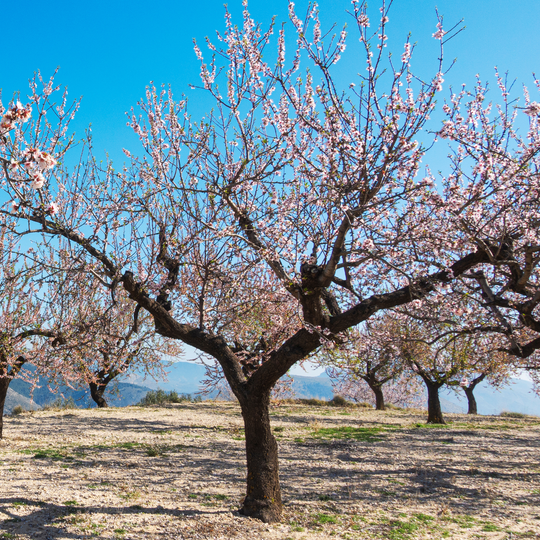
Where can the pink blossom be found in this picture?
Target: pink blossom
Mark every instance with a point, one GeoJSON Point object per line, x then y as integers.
{"type": "Point", "coordinates": [14, 206]}
{"type": "Point", "coordinates": [363, 20]}
{"type": "Point", "coordinates": [439, 34]}
{"type": "Point", "coordinates": [407, 54]}
{"type": "Point", "coordinates": [52, 209]}
{"type": "Point", "coordinates": [533, 109]}
{"type": "Point", "coordinates": [38, 180]}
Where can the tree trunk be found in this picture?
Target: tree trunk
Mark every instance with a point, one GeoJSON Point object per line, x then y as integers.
{"type": "Point", "coordinates": [469, 392]}
{"type": "Point", "coordinates": [97, 391]}
{"type": "Point", "coordinates": [4, 385]}
{"type": "Point", "coordinates": [379, 398]}
{"type": "Point", "coordinates": [263, 496]}
{"type": "Point", "coordinates": [435, 415]}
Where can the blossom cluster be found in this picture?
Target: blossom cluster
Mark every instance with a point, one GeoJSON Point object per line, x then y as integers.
{"type": "Point", "coordinates": [17, 113]}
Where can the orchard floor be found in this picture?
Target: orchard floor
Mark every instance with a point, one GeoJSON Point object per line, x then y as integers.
{"type": "Point", "coordinates": [178, 473]}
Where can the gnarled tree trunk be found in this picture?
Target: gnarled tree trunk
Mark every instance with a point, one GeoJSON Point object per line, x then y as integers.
{"type": "Point", "coordinates": [469, 392]}
{"type": "Point", "coordinates": [263, 495]}
{"type": "Point", "coordinates": [97, 391]}
{"type": "Point", "coordinates": [379, 397]}
{"type": "Point", "coordinates": [435, 415]}
{"type": "Point", "coordinates": [473, 408]}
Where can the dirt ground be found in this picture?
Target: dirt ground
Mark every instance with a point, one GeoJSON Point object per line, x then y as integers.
{"type": "Point", "coordinates": [351, 473]}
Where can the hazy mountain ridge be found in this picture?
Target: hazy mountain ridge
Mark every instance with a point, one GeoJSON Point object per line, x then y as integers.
{"type": "Point", "coordinates": [186, 378]}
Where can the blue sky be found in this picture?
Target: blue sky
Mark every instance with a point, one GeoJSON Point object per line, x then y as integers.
{"type": "Point", "coordinates": [109, 51]}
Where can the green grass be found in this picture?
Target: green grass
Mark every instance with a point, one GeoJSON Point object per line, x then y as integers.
{"type": "Point", "coordinates": [56, 454]}
{"type": "Point", "coordinates": [370, 434]}
{"type": "Point", "coordinates": [325, 518]}
{"type": "Point", "coordinates": [401, 529]}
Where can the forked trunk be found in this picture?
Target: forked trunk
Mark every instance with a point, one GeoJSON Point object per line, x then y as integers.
{"type": "Point", "coordinates": [4, 385]}
{"type": "Point", "coordinates": [263, 495]}
{"type": "Point", "coordinates": [97, 391]}
{"type": "Point", "coordinates": [435, 415]}
{"type": "Point", "coordinates": [469, 392]}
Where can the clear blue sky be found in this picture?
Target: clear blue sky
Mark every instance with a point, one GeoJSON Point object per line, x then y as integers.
{"type": "Point", "coordinates": [108, 51]}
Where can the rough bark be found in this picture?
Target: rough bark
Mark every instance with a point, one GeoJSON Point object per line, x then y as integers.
{"type": "Point", "coordinates": [97, 391]}
{"type": "Point", "coordinates": [435, 415]}
{"type": "Point", "coordinates": [4, 385]}
{"type": "Point", "coordinates": [263, 495]}
{"type": "Point", "coordinates": [473, 408]}
{"type": "Point", "coordinates": [379, 397]}
{"type": "Point", "coordinates": [469, 392]}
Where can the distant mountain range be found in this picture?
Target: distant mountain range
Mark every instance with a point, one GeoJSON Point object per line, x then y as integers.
{"type": "Point", "coordinates": [186, 377]}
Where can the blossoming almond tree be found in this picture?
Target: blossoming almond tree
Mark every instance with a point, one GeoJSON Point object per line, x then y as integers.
{"type": "Point", "coordinates": [371, 355]}
{"type": "Point", "coordinates": [103, 341]}
{"type": "Point", "coordinates": [27, 331]}
{"type": "Point", "coordinates": [444, 348]}
{"type": "Point", "coordinates": [291, 188]}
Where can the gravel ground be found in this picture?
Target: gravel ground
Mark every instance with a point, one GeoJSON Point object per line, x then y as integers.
{"type": "Point", "coordinates": [351, 473]}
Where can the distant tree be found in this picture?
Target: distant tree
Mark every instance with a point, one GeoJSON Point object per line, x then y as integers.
{"type": "Point", "coordinates": [107, 336]}
{"type": "Point", "coordinates": [444, 348]}
{"type": "Point", "coordinates": [371, 354]}
{"type": "Point", "coordinates": [468, 387]}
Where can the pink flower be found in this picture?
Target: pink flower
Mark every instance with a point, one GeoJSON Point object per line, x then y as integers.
{"type": "Point", "coordinates": [533, 109]}
{"type": "Point", "coordinates": [439, 34]}
{"type": "Point", "coordinates": [407, 54]}
{"type": "Point", "coordinates": [437, 82]}
{"type": "Point", "coordinates": [363, 20]}
{"type": "Point", "coordinates": [38, 180]}
{"type": "Point", "coordinates": [44, 160]}
{"type": "Point", "coordinates": [52, 209]}
{"type": "Point", "coordinates": [14, 206]}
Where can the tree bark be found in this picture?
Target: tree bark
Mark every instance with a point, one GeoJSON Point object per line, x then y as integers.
{"type": "Point", "coordinates": [473, 409]}
{"type": "Point", "coordinates": [4, 385]}
{"type": "Point", "coordinates": [469, 392]}
{"type": "Point", "coordinates": [379, 398]}
{"type": "Point", "coordinates": [263, 496]}
{"type": "Point", "coordinates": [435, 415]}
{"type": "Point", "coordinates": [97, 391]}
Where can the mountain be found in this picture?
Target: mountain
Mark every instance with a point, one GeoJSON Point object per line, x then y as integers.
{"type": "Point", "coordinates": [119, 394]}
{"type": "Point", "coordinates": [183, 377]}
{"type": "Point", "coordinates": [186, 378]}
{"type": "Point", "coordinates": [517, 396]}
{"type": "Point", "coordinates": [13, 399]}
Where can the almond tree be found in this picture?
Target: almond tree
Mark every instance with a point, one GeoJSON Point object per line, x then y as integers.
{"type": "Point", "coordinates": [445, 343]}
{"type": "Point", "coordinates": [104, 342]}
{"type": "Point", "coordinates": [297, 188]}
{"type": "Point", "coordinates": [27, 331]}
{"type": "Point", "coordinates": [371, 355]}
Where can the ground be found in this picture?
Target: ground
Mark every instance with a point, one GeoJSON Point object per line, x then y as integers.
{"type": "Point", "coordinates": [350, 473]}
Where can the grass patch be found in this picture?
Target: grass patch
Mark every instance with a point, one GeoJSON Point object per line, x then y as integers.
{"type": "Point", "coordinates": [160, 397]}
{"type": "Point", "coordinates": [325, 518]}
{"type": "Point", "coordinates": [399, 530]}
{"type": "Point", "coordinates": [508, 414]}
{"type": "Point", "coordinates": [371, 434]}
